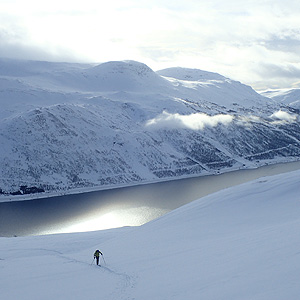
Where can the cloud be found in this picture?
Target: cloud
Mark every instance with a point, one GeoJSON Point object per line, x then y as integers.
{"type": "Point", "coordinates": [17, 42]}
{"type": "Point", "coordinates": [20, 50]}
{"type": "Point", "coordinates": [197, 121]}
{"type": "Point", "coordinates": [233, 38]}
{"type": "Point", "coordinates": [281, 71]}
{"type": "Point", "coordinates": [278, 74]}
{"type": "Point", "coordinates": [287, 43]}
{"type": "Point", "coordinates": [283, 116]}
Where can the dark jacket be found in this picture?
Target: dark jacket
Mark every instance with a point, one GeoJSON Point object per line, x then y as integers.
{"type": "Point", "coordinates": [97, 253]}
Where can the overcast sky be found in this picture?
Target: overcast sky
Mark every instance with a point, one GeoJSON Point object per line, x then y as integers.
{"type": "Point", "coordinates": [256, 42]}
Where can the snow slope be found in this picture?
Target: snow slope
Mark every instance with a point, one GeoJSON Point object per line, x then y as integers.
{"type": "Point", "coordinates": [213, 87]}
{"type": "Point", "coordinates": [65, 126]}
{"type": "Point", "coordinates": [290, 97]}
{"type": "Point", "coordinates": [239, 243]}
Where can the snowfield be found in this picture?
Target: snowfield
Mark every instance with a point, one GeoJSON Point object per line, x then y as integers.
{"type": "Point", "coordinates": [240, 243]}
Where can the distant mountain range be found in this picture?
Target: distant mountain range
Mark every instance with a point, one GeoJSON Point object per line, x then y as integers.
{"type": "Point", "coordinates": [66, 125]}
{"type": "Point", "coordinates": [290, 97]}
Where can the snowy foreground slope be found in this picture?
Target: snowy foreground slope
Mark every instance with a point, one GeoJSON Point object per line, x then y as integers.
{"type": "Point", "coordinates": [66, 126]}
{"type": "Point", "coordinates": [240, 243]}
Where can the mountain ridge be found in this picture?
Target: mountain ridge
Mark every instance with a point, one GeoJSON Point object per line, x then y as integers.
{"type": "Point", "coordinates": [122, 123]}
{"type": "Point", "coordinates": [290, 97]}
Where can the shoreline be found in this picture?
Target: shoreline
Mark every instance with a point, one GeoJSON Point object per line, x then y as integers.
{"type": "Point", "coordinates": [76, 191]}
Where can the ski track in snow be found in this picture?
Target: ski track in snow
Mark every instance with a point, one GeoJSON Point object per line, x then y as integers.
{"type": "Point", "coordinates": [124, 280]}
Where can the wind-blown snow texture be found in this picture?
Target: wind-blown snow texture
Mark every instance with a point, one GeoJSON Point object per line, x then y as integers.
{"type": "Point", "coordinates": [65, 126]}
{"type": "Point", "coordinates": [240, 243]}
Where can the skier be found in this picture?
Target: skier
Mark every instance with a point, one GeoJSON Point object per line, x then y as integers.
{"type": "Point", "coordinates": [97, 255]}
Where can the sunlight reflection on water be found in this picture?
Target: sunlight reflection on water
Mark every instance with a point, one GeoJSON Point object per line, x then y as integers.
{"type": "Point", "coordinates": [128, 206]}
{"type": "Point", "coordinates": [117, 218]}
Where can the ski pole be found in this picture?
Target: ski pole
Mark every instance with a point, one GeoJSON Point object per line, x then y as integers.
{"type": "Point", "coordinates": [103, 259]}
{"type": "Point", "coordinates": [93, 261]}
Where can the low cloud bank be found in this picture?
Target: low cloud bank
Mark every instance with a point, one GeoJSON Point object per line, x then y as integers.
{"type": "Point", "coordinates": [283, 116]}
{"type": "Point", "coordinates": [197, 121]}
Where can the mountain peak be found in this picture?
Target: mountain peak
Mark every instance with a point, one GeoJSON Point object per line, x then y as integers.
{"type": "Point", "coordinates": [128, 66]}
{"type": "Point", "coordinates": [125, 75]}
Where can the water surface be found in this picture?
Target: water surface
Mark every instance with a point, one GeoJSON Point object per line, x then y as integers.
{"type": "Point", "coordinates": [126, 206]}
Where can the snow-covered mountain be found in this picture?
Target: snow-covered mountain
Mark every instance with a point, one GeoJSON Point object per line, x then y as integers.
{"type": "Point", "coordinates": [240, 243]}
{"type": "Point", "coordinates": [66, 125]}
{"type": "Point", "coordinates": [290, 97]}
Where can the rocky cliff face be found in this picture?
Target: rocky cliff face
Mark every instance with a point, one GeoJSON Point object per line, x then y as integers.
{"type": "Point", "coordinates": [67, 125]}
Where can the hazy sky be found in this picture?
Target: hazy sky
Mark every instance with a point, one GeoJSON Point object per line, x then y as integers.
{"type": "Point", "coordinates": [256, 42]}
